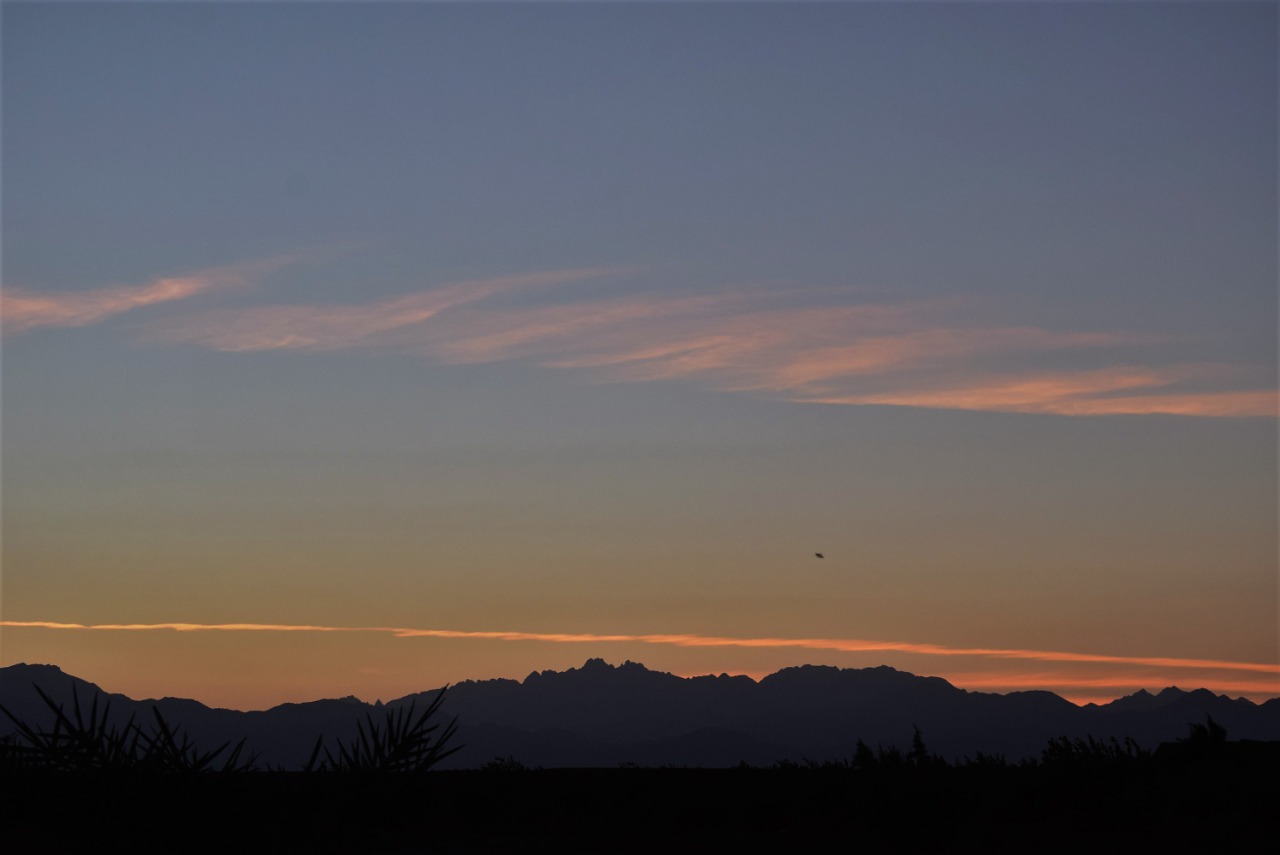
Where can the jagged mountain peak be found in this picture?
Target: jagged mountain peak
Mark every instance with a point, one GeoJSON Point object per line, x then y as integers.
{"type": "Point", "coordinates": [23, 668]}
{"type": "Point", "coordinates": [597, 665]}
{"type": "Point", "coordinates": [595, 668]}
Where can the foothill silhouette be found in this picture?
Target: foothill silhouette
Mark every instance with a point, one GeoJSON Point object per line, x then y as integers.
{"type": "Point", "coordinates": [69, 743]}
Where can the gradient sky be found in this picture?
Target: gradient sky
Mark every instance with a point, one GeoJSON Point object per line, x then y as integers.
{"type": "Point", "coordinates": [525, 325]}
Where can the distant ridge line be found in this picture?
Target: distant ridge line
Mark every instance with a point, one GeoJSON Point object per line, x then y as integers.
{"type": "Point", "coordinates": [604, 715]}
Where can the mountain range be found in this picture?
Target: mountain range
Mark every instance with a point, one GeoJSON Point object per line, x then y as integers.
{"type": "Point", "coordinates": [602, 715]}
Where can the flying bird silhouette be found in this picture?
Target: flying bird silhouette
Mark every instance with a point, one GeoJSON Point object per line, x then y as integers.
{"type": "Point", "coordinates": [819, 554]}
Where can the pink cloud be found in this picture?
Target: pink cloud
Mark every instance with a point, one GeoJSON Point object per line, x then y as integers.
{"type": "Point", "coordinates": [1078, 393]}
{"type": "Point", "coordinates": [937, 346]}
{"type": "Point", "coordinates": [334, 327]}
{"type": "Point", "coordinates": [852, 355]}
{"type": "Point", "coordinates": [723, 338]}
{"type": "Point", "coordinates": [908, 354]}
{"type": "Point", "coordinates": [23, 309]}
{"type": "Point", "coordinates": [1241, 404]}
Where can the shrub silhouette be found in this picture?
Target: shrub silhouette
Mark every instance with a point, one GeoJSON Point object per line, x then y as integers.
{"type": "Point", "coordinates": [1090, 754]}
{"type": "Point", "coordinates": [1204, 744]}
{"type": "Point", "coordinates": [504, 764]}
{"type": "Point", "coordinates": [1209, 733]}
{"type": "Point", "coordinates": [402, 743]}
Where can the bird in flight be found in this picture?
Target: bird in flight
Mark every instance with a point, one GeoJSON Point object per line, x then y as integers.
{"type": "Point", "coordinates": [819, 554]}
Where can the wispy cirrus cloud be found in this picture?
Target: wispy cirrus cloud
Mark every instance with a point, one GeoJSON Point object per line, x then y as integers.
{"type": "Point", "coordinates": [873, 354]}
{"type": "Point", "coordinates": [803, 346]}
{"type": "Point", "coordinates": [1075, 393]}
{"type": "Point", "coordinates": [339, 326]}
{"type": "Point", "coordinates": [1082, 401]}
{"type": "Point", "coordinates": [24, 309]}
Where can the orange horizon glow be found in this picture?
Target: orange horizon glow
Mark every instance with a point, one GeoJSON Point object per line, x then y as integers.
{"type": "Point", "coordinates": [691, 640]}
{"type": "Point", "coordinates": [1064, 686]}
{"type": "Point", "coordinates": [1022, 682]}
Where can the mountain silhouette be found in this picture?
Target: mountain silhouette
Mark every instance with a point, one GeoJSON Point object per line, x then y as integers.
{"type": "Point", "coordinates": [602, 715]}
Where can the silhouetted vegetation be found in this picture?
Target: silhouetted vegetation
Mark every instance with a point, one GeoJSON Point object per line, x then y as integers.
{"type": "Point", "coordinates": [1091, 754]}
{"type": "Point", "coordinates": [892, 757]}
{"type": "Point", "coordinates": [402, 743]}
{"type": "Point", "coordinates": [86, 740]}
{"type": "Point", "coordinates": [1106, 794]}
{"type": "Point", "coordinates": [504, 764]}
{"type": "Point", "coordinates": [406, 740]}
{"type": "Point", "coordinates": [1061, 753]}
{"type": "Point", "coordinates": [1209, 733]}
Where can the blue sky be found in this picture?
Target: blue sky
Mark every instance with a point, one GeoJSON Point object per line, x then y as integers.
{"type": "Point", "coordinates": [604, 318]}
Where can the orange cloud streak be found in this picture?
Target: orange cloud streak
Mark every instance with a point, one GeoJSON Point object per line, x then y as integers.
{"type": "Point", "coordinates": [1076, 393]}
{"type": "Point", "coordinates": [22, 309]}
{"type": "Point", "coordinates": [1242, 404]}
{"type": "Point", "coordinates": [846, 645]}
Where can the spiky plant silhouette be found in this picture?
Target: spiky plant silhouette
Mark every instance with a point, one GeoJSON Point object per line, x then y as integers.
{"type": "Point", "coordinates": [86, 740]}
{"type": "Point", "coordinates": [403, 742]}
{"type": "Point", "coordinates": [76, 742]}
{"type": "Point", "coordinates": [1090, 754]}
{"type": "Point", "coordinates": [1209, 733]}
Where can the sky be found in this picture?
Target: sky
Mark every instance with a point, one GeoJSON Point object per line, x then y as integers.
{"type": "Point", "coordinates": [356, 349]}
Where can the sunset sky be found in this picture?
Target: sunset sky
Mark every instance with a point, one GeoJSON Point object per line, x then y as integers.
{"type": "Point", "coordinates": [361, 348]}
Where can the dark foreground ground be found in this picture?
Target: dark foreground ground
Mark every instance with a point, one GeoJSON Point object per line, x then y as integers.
{"type": "Point", "coordinates": [1187, 809]}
